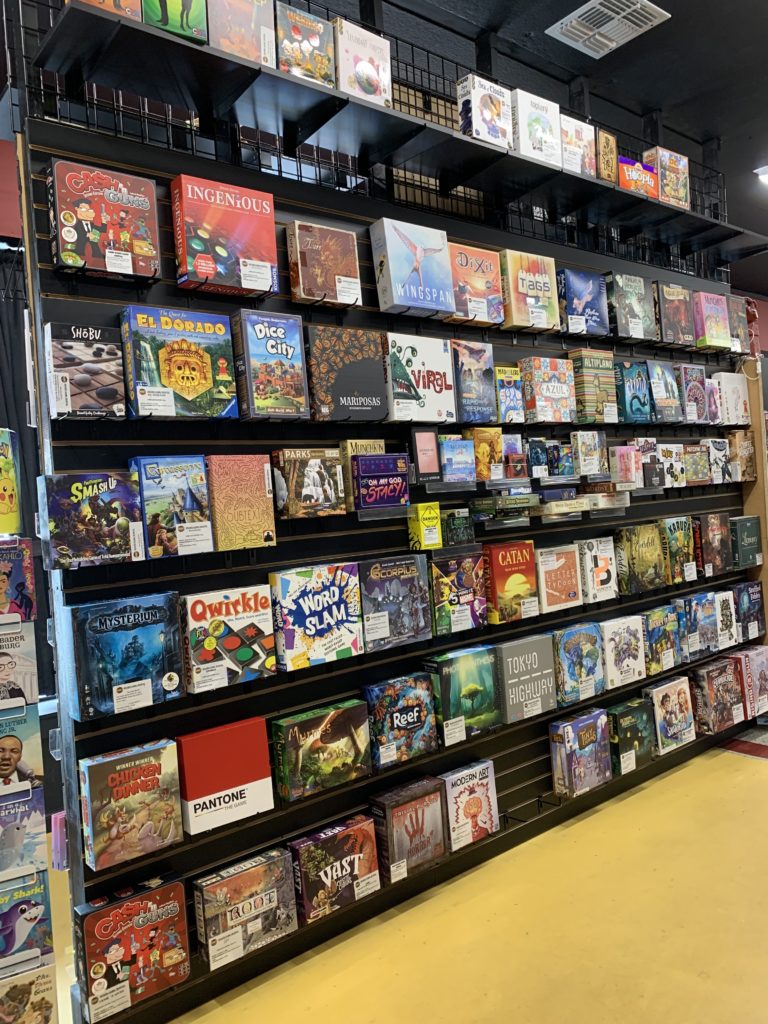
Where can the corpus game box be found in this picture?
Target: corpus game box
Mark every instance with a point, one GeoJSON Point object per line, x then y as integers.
{"type": "Point", "coordinates": [309, 482]}
{"type": "Point", "coordinates": [243, 907]}
{"type": "Point", "coordinates": [130, 946]}
{"type": "Point", "coordinates": [130, 803]}
{"type": "Point", "coordinates": [413, 268]}
{"type": "Point", "coordinates": [90, 519]}
{"type": "Point", "coordinates": [227, 637]}
{"type": "Point", "coordinates": [581, 753]}
{"type": "Point", "coordinates": [672, 713]}
{"type": "Point", "coordinates": [579, 672]}
{"type": "Point", "coordinates": [630, 307]}
{"type": "Point", "coordinates": [178, 363]}
{"type": "Point", "coordinates": [305, 45]}
{"type": "Point", "coordinates": [317, 615]}
{"type": "Point", "coordinates": [269, 363]}
{"type": "Point", "coordinates": [320, 749]}
{"type": "Point", "coordinates": [548, 389]}
{"type": "Point", "coordinates": [102, 221]}
{"type": "Point", "coordinates": [510, 581]}
{"type": "Point", "coordinates": [476, 284]}
{"type": "Point", "coordinates": [17, 578]}
{"type": "Point", "coordinates": [674, 313]}
{"type": "Point", "coordinates": [323, 264]}
{"type": "Point", "coordinates": [484, 110]}
{"type": "Point", "coordinates": [468, 700]}
{"type": "Point", "coordinates": [395, 600]}
{"type": "Point", "coordinates": [241, 501]}
{"type": "Point", "coordinates": [470, 804]}
{"type": "Point", "coordinates": [363, 64]}
{"type": "Point", "coordinates": [84, 370]}
{"type": "Point", "coordinates": [380, 481]}
{"type": "Point", "coordinates": [188, 20]}
{"type": "Point", "coordinates": [529, 291]}
{"type": "Point", "coordinates": [225, 237]}
{"type": "Point", "coordinates": [127, 654]}
{"type": "Point", "coordinates": [474, 381]}
{"type": "Point", "coordinates": [335, 867]}
{"type": "Point", "coordinates": [410, 828]}
{"type": "Point", "coordinates": [175, 506]}
{"type": "Point", "coordinates": [631, 735]}
{"type": "Point", "coordinates": [401, 717]}
{"type": "Point", "coordinates": [458, 591]}
{"type": "Point", "coordinates": [244, 28]}
{"type": "Point", "coordinates": [718, 700]}
{"type": "Point", "coordinates": [346, 374]}
{"type": "Point", "coordinates": [419, 374]}
{"type": "Point", "coordinates": [526, 673]}
{"type": "Point", "coordinates": [623, 650]}
{"type": "Point", "coordinates": [583, 302]}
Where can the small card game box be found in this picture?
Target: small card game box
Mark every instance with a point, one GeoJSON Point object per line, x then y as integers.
{"type": "Point", "coordinates": [484, 110]}
{"type": "Point", "coordinates": [380, 481]}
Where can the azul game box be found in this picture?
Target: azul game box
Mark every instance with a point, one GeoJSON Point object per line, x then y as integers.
{"type": "Point", "coordinates": [631, 735]}
{"type": "Point", "coordinates": [175, 505]}
{"type": "Point", "coordinates": [413, 268]}
{"type": "Point", "coordinates": [401, 718]}
{"type": "Point", "coordinates": [716, 548]}
{"type": "Point", "coordinates": [630, 306]}
{"type": "Point", "coordinates": [363, 63]}
{"type": "Point", "coordinates": [309, 483]}
{"type": "Point", "coordinates": [578, 146]}
{"type": "Point", "coordinates": [595, 385]}
{"type": "Point", "coordinates": [458, 590]}
{"type": "Point", "coordinates": [470, 804]}
{"type": "Point", "coordinates": [227, 637]}
{"type": "Point", "coordinates": [319, 749]}
{"type": "Point", "coordinates": [667, 406]}
{"type": "Point", "coordinates": [484, 110]}
{"type": "Point", "coordinates": [510, 581]}
{"type": "Point", "coordinates": [583, 302]}
{"type": "Point", "coordinates": [468, 699]}
{"type": "Point", "coordinates": [30, 997]}
{"type": "Point", "coordinates": [395, 599]}
{"type": "Point", "coordinates": [178, 363]}
{"type": "Point", "coordinates": [90, 519]}
{"type": "Point", "coordinates": [661, 636]}
{"type": "Point", "coordinates": [410, 828]}
{"type": "Point", "coordinates": [317, 615]}
{"type": "Point", "coordinates": [710, 318]}
{"type": "Point", "coordinates": [739, 324]}
{"type": "Point", "coordinates": [102, 221]}
{"type": "Point", "coordinates": [674, 313]}
{"type": "Point", "coordinates": [677, 538]}
{"type": "Point", "coordinates": [597, 569]}
{"type": "Point", "coordinates": [240, 489]}
{"type": "Point", "coordinates": [25, 910]}
{"type": "Point", "coordinates": [637, 176]}
{"type": "Point", "coordinates": [745, 541]}
{"type": "Point", "coordinates": [335, 867]}
{"type": "Point", "coordinates": [127, 654]}
{"type": "Point", "coordinates": [474, 381]}
{"type": "Point", "coordinates": [224, 235]}
{"type": "Point", "coordinates": [476, 284]}
{"type": "Point", "coordinates": [419, 374]}
{"type": "Point", "coordinates": [244, 907]}
{"type": "Point", "coordinates": [607, 156]}
{"type": "Point", "coordinates": [529, 291]}
{"type": "Point", "coordinates": [245, 28]}
{"type": "Point", "coordinates": [192, 21]}
{"type": "Point", "coordinates": [348, 448]}
{"type": "Point", "coordinates": [750, 614]}
{"type": "Point", "coordinates": [380, 481]}
{"type": "Point", "coordinates": [305, 45]}
{"type": "Point", "coordinates": [85, 371]}
{"type": "Point", "coordinates": [509, 395]}
{"type": "Point", "coordinates": [623, 650]}
{"type": "Point", "coordinates": [131, 946]}
{"type": "Point", "coordinates": [633, 391]}
{"type": "Point", "coordinates": [691, 385]}
{"type": "Point", "coordinates": [526, 674]}
{"type": "Point", "coordinates": [323, 264]}
{"type": "Point", "coordinates": [130, 803]}
{"type": "Point", "coordinates": [424, 526]}
{"type": "Point", "coordinates": [269, 363]}
{"type": "Point", "coordinates": [579, 673]}
{"type": "Point", "coordinates": [224, 774]}
{"type": "Point", "coordinates": [17, 578]}
{"type": "Point", "coordinates": [535, 128]}
{"type": "Point", "coordinates": [672, 171]}
{"type": "Point", "coordinates": [673, 714]}
{"type": "Point", "coordinates": [548, 389]}
{"type": "Point", "coordinates": [581, 753]}
{"type": "Point", "coordinates": [559, 577]}
{"type": "Point", "coordinates": [718, 700]}
{"type": "Point", "coordinates": [346, 374]}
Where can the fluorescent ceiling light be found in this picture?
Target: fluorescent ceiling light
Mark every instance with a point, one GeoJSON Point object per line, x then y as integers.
{"type": "Point", "coordinates": [762, 173]}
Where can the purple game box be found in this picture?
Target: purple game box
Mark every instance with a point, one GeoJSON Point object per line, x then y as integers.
{"type": "Point", "coordinates": [380, 481]}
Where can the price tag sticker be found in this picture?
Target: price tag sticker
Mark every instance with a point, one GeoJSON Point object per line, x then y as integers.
{"type": "Point", "coordinates": [738, 713]}
{"type": "Point", "coordinates": [610, 412]}
{"type": "Point", "coordinates": [155, 400]}
{"type": "Point", "coordinates": [587, 690]}
{"type": "Point", "coordinates": [668, 660]}
{"type": "Point", "coordinates": [226, 948]}
{"type": "Point", "coordinates": [691, 412]}
{"type": "Point", "coordinates": [759, 558]}
{"type": "Point", "coordinates": [628, 762]}
{"type": "Point", "coordinates": [133, 695]}
{"type": "Point", "coordinates": [367, 885]}
{"type": "Point", "coordinates": [752, 631]}
{"type": "Point", "coordinates": [388, 753]}
{"type": "Point", "coordinates": [497, 471]}
{"type": "Point", "coordinates": [477, 308]}
{"type": "Point", "coordinates": [398, 870]}
{"type": "Point", "coordinates": [376, 625]}
{"type": "Point", "coordinates": [454, 731]}
{"type": "Point", "coordinates": [118, 262]}
{"type": "Point", "coordinates": [538, 472]}
{"type": "Point", "coordinates": [689, 572]}
{"type": "Point", "coordinates": [538, 316]}
{"type": "Point", "coordinates": [694, 644]}
{"type": "Point", "coordinates": [739, 633]}
{"type": "Point", "coordinates": [532, 707]}
{"type": "Point", "coordinates": [708, 570]}
{"type": "Point", "coordinates": [577, 324]}
{"type": "Point", "coordinates": [348, 290]}
{"type": "Point", "coordinates": [635, 327]}
{"type": "Point", "coordinates": [256, 274]}
{"type": "Point", "coordinates": [529, 607]}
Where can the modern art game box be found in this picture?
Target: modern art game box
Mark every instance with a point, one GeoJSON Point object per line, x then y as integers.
{"type": "Point", "coordinates": [470, 804]}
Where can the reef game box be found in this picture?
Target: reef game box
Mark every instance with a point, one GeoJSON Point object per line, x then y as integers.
{"type": "Point", "coordinates": [401, 717]}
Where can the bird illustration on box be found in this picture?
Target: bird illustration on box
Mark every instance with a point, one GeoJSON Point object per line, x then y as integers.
{"type": "Point", "coordinates": [419, 254]}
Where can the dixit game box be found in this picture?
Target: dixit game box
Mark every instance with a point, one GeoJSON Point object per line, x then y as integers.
{"type": "Point", "coordinates": [476, 284]}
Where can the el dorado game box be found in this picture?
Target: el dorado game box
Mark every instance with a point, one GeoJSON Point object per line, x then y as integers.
{"type": "Point", "coordinates": [225, 237]}
{"type": "Point", "coordinates": [102, 221]}
{"type": "Point", "coordinates": [131, 946]}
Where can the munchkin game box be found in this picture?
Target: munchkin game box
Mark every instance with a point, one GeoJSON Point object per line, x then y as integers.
{"type": "Point", "coordinates": [269, 363]}
{"type": "Point", "coordinates": [175, 505]}
{"type": "Point", "coordinates": [401, 717]}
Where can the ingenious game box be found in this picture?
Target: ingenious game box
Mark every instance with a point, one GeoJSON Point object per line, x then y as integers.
{"type": "Point", "coordinates": [84, 371]}
{"type": "Point", "coordinates": [474, 381]}
{"type": "Point", "coordinates": [476, 284]}
{"type": "Point", "coordinates": [305, 45]}
{"type": "Point", "coordinates": [548, 389]}
{"type": "Point", "coordinates": [363, 63]}
{"type": "Point", "coordinates": [175, 504]}
{"type": "Point", "coordinates": [395, 601]}
{"type": "Point", "coordinates": [673, 714]}
{"type": "Point", "coordinates": [240, 488]}
{"type": "Point", "coordinates": [529, 291]}
{"type": "Point", "coordinates": [178, 363]}
{"type": "Point", "coordinates": [271, 373]}
{"type": "Point", "coordinates": [581, 754]}
{"type": "Point", "coordinates": [401, 717]}
{"type": "Point", "coordinates": [245, 28]}
{"type": "Point", "coordinates": [583, 302]}
{"type": "Point", "coordinates": [484, 110]}
{"type": "Point", "coordinates": [579, 666]}
{"type": "Point", "coordinates": [102, 221]}
{"type": "Point", "coordinates": [674, 313]}
{"type": "Point", "coordinates": [245, 906]}
{"type": "Point", "coordinates": [131, 946]}
{"type": "Point", "coordinates": [470, 804]}
{"type": "Point", "coordinates": [413, 268]}
{"type": "Point", "coordinates": [323, 264]}
{"type": "Point", "coordinates": [410, 828]}
{"type": "Point", "coordinates": [510, 581]}
{"type": "Point", "coordinates": [630, 307]}
{"type": "Point", "coordinates": [419, 375]}
{"type": "Point", "coordinates": [468, 698]}
{"type": "Point", "coordinates": [631, 735]}
{"type": "Point", "coordinates": [346, 374]}
{"type": "Point", "coordinates": [526, 673]}
{"type": "Point", "coordinates": [127, 654]}
{"type": "Point", "coordinates": [17, 578]}
{"type": "Point", "coordinates": [458, 590]}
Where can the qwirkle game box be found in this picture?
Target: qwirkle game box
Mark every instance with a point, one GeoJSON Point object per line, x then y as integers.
{"type": "Point", "coordinates": [245, 28]}
{"type": "Point", "coordinates": [419, 374]}
{"type": "Point", "coordinates": [309, 483]}
{"type": "Point", "coordinates": [346, 373]}
{"type": "Point", "coordinates": [413, 268]}
{"type": "Point", "coordinates": [178, 363]}
{"type": "Point", "coordinates": [103, 221]}
{"type": "Point", "coordinates": [269, 362]}
{"type": "Point", "coordinates": [305, 45]}
{"type": "Point", "coordinates": [395, 600]}
{"type": "Point", "coordinates": [401, 716]}
{"type": "Point", "coordinates": [224, 235]}
{"type": "Point", "coordinates": [84, 370]}
{"type": "Point", "coordinates": [323, 264]}
{"type": "Point", "coordinates": [175, 504]}
{"type": "Point", "coordinates": [363, 66]}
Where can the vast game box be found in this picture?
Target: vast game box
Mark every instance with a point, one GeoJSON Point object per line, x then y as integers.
{"type": "Point", "coordinates": [581, 754]}
{"type": "Point", "coordinates": [458, 590]}
{"type": "Point", "coordinates": [410, 828]}
{"type": "Point", "coordinates": [240, 488]}
{"type": "Point", "coordinates": [468, 698]}
{"type": "Point", "coordinates": [413, 268]}
{"type": "Point", "coordinates": [535, 128]}
{"type": "Point", "coordinates": [17, 578]}
{"type": "Point", "coordinates": [127, 654]}
{"type": "Point", "coordinates": [130, 803]}
{"type": "Point", "coordinates": [320, 749]}
{"type": "Point", "coordinates": [579, 672]}
{"type": "Point", "coordinates": [578, 146]}
{"type": "Point", "coordinates": [630, 307]}
{"type": "Point", "coordinates": [510, 581]}
{"type": "Point", "coordinates": [401, 717]}
{"type": "Point", "coordinates": [674, 313]}
{"type": "Point", "coordinates": [476, 277]}
{"type": "Point", "coordinates": [269, 363]}
{"type": "Point", "coordinates": [380, 481]}
{"type": "Point", "coordinates": [244, 907]}
{"type": "Point", "coordinates": [419, 374]}
{"type": "Point", "coordinates": [474, 381]}
{"type": "Point", "coordinates": [395, 601]}
{"type": "Point", "coordinates": [548, 389]}
{"type": "Point", "coordinates": [526, 672]}
{"type": "Point", "coordinates": [245, 28]}
{"type": "Point", "coordinates": [673, 714]}
{"type": "Point", "coordinates": [529, 291]}
{"type": "Point", "coordinates": [363, 63]}
{"type": "Point", "coordinates": [484, 110]}
{"type": "Point", "coordinates": [623, 650]}
{"type": "Point", "coordinates": [309, 483]}
{"type": "Point", "coordinates": [85, 371]}
{"type": "Point", "coordinates": [471, 809]}
{"type": "Point", "coordinates": [175, 504]}
{"type": "Point", "coordinates": [189, 20]}
{"type": "Point", "coordinates": [323, 264]}
{"type": "Point", "coordinates": [346, 374]}
{"type": "Point", "coordinates": [583, 302]}
{"type": "Point", "coordinates": [178, 363]}
{"type": "Point", "coordinates": [305, 45]}
{"type": "Point", "coordinates": [631, 735]}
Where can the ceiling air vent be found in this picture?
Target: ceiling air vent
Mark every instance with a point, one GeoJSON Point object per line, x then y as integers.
{"type": "Point", "coordinates": [602, 26]}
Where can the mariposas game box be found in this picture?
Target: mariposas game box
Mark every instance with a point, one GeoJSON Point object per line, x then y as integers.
{"type": "Point", "coordinates": [419, 375]}
{"type": "Point", "coordinates": [395, 599]}
{"type": "Point", "coordinates": [470, 804]}
{"type": "Point", "coordinates": [241, 501]}
{"type": "Point", "coordinates": [269, 363]}
{"type": "Point", "coordinates": [413, 268]}
{"type": "Point", "coordinates": [346, 372]}
{"type": "Point", "coordinates": [401, 717]}
{"type": "Point", "coordinates": [175, 504]}
{"type": "Point", "coordinates": [526, 672]}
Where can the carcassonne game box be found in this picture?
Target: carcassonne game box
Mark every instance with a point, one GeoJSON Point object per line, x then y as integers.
{"type": "Point", "coordinates": [175, 504]}
{"type": "Point", "coordinates": [269, 363]}
{"type": "Point", "coordinates": [401, 716]}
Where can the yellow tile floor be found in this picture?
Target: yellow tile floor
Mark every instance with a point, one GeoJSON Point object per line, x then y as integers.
{"type": "Point", "coordinates": [649, 908]}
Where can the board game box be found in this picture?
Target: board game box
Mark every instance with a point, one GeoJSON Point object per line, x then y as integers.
{"type": "Point", "coordinates": [476, 275]}
{"type": "Point", "coordinates": [672, 171]}
{"type": "Point", "coordinates": [633, 391]}
{"type": "Point", "coordinates": [510, 581]}
{"type": "Point", "coordinates": [102, 221]}
{"type": "Point", "coordinates": [17, 579]}
{"type": "Point", "coordinates": [590, 453]}
{"type": "Point", "coordinates": [719, 459]}
{"type": "Point", "coordinates": [714, 409]}
{"type": "Point", "coordinates": [484, 110]}
{"type": "Point", "coordinates": [192, 20]}
{"type": "Point", "coordinates": [673, 714]}
{"type": "Point", "coordinates": [395, 601]}
{"type": "Point", "coordinates": [595, 385]}
{"type": "Point", "coordinates": [741, 456]}
{"type": "Point", "coordinates": [597, 569]}
{"type": "Point", "coordinates": [701, 623]}
{"type": "Point", "coordinates": [734, 398]}
{"type": "Point", "coordinates": [696, 465]}
{"type": "Point", "coordinates": [745, 541]}
{"type": "Point", "coordinates": [470, 804]}
{"type": "Point", "coordinates": [468, 700]}
{"type": "Point", "coordinates": [309, 483]}
{"type": "Point", "coordinates": [244, 907]}
{"type": "Point", "coordinates": [85, 373]}
{"type": "Point", "coordinates": [31, 995]}
{"type": "Point", "coordinates": [424, 526]}
{"type": "Point", "coordinates": [474, 381]}
{"type": "Point", "coordinates": [607, 156]}
{"type": "Point", "coordinates": [509, 395]}
{"type": "Point", "coordinates": [319, 749]}
{"type": "Point", "coordinates": [363, 64]}
{"type": "Point", "coordinates": [677, 538]}
{"type": "Point", "coordinates": [487, 443]}
{"type": "Point", "coordinates": [691, 384]}
{"type": "Point", "coordinates": [130, 803]}
{"type": "Point", "coordinates": [269, 364]}
{"type": "Point", "coordinates": [712, 329]}
{"type": "Point", "coordinates": [526, 673]}
{"type": "Point", "coordinates": [630, 307]}
{"type": "Point", "coordinates": [581, 753]}
{"type": "Point", "coordinates": [623, 650]}
{"type": "Point", "coordinates": [579, 672]}
{"type": "Point", "coordinates": [739, 324]}
{"type": "Point", "coordinates": [535, 128]}
{"type": "Point", "coordinates": [245, 28]}
{"type": "Point", "coordinates": [458, 590]}
{"type": "Point", "coordinates": [348, 448]}
{"type": "Point", "coordinates": [750, 613]}
{"type": "Point", "coordinates": [671, 459]}
{"type": "Point", "coordinates": [346, 374]}
{"type": "Point", "coordinates": [419, 374]}
{"type": "Point", "coordinates": [529, 291]}
{"type": "Point", "coordinates": [559, 579]}
{"type": "Point", "coordinates": [583, 302]}
{"type": "Point", "coordinates": [131, 946]}
{"type": "Point", "coordinates": [10, 478]}
{"type": "Point", "coordinates": [752, 666]}
{"type": "Point", "coordinates": [26, 906]}
{"type": "Point", "coordinates": [305, 46]}
{"type": "Point", "coordinates": [178, 363]}
{"type": "Point", "coordinates": [667, 405]}
{"type": "Point", "coordinates": [323, 264]}
{"type": "Point", "coordinates": [410, 828]}
{"type": "Point", "coordinates": [317, 615]}
{"type": "Point", "coordinates": [631, 735]}
{"type": "Point", "coordinates": [637, 176]}
{"type": "Point", "coordinates": [127, 654]}
{"type": "Point", "coordinates": [727, 625]}
{"type": "Point", "coordinates": [716, 549]}
{"type": "Point", "coordinates": [661, 636]}
{"type": "Point", "coordinates": [457, 527]}
{"type": "Point", "coordinates": [548, 389]}
{"type": "Point", "coordinates": [425, 454]}
{"type": "Point", "coordinates": [413, 268]}
{"type": "Point", "coordinates": [240, 489]}
{"type": "Point", "coordinates": [674, 313]}
{"type": "Point", "coordinates": [401, 718]}
{"type": "Point", "coordinates": [457, 459]}
{"type": "Point", "coordinates": [380, 481]}
{"type": "Point", "coordinates": [175, 504]}
{"type": "Point", "coordinates": [578, 146]}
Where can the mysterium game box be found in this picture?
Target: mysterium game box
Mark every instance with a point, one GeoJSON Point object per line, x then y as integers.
{"type": "Point", "coordinates": [269, 363]}
{"type": "Point", "coordinates": [84, 371]}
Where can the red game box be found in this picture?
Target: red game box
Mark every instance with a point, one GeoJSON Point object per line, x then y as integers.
{"type": "Point", "coordinates": [102, 221]}
{"type": "Point", "coordinates": [225, 237]}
